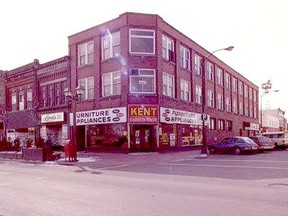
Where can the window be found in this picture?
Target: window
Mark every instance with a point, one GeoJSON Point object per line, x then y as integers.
{"type": "Point", "coordinates": [212, 125]}
{"type": "Point", "coordinates": [198, 65]}
{"type": "Point", "coordinates": [168, 48]}
{"type": "Point", "coordinates": [111, 83]}
{"type": "Point", "coordinates": [234, 85]}
{"type": "Point", "coordinates": [245, 91]}
{"type": "Point", "coordinates": [184, 57]}
{"type": "Point", "coordinates": [229, 125]}
{"type": "Point", "coordinates": [250, 93]}
{"type": "Point", "coordinates": [198, 92]}
{"type": "Point", "coordinates": [86, 53]}
{"type": "Point", "coordinates": [21, 100]}
{"type": "Point", "coordinates": [241, 108]}
{"type": "Point", "coordinates": [228, 104]}
{"type": "Point", "coordinates": [221, 124]}
{"type": "Point", "coordinates": [50, 98]}
{"type": "Point", "coordinates": [220, 101]}
{"type": "Point", "coordinates": [210, 71]}
{"type": "Point", "coordinates": [211, 98]}
{"type": "Point", "coordinates": [43, 96]}
{"type": "Point", "coordinates": [255, 112]}
{"type": "Point", "coordinates": [246, 110]}
{"type": "Point", "coordinates": [111, 45]}
{"type": "Point", "coordinates": [254, 96]}
{"type": "Point", "coordinates": [228, 81]}
{"type": "Point", "coordinates": [142, 81]}
{"type": "Point", "coordinates": [235, 107]}
{"type": "Point", "coordinates": [142, 41]}
{"type": "Point", "coordinates": [168, 85]}
{"type": "Point", "coordinates": [240, 88]}
{"type": "Point", "coordinates": [29, 98]}
{"type": "Point", "coordinates": [14, 101]}
{"type": "Point", "coordinates": [185, 90]}
{"type": "Point", "coordinates": [250, 110]}
{"type": "Point", "coordinates": [219, 77]}
{"type": "Point", "coordinates": [87, 85]}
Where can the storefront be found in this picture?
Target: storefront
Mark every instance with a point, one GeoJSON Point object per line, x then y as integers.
{"type": "Point", "coordinates": [103, 128]}
{"type": "Point", "coordinates": [250, 129]}
{"type": "Point", "coordinates": [53, 125]}
{"type": "Point", "coordinates": [143, 122]}
{"type": "Point", "coordinates": [179, 129]}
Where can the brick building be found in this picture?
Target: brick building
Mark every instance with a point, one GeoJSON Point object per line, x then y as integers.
{"type": "Point", "coordinates": [143, 82]}
{"type": "Point", "coordinates": [2, 104]}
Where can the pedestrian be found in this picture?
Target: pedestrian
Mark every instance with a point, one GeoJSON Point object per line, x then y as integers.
{"type": "Point", "coordinates": [48, 148]}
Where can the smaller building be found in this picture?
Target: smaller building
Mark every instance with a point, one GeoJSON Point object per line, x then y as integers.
{"type": "Point", "coordinates": [274, 120]}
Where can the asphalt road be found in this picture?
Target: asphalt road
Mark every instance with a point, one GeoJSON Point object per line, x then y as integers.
{"type": "Point", "coordinates": [149, 185]}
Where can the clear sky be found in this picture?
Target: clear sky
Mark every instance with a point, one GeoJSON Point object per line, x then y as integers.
{"type": "Point", "coordinates": [257, 28]}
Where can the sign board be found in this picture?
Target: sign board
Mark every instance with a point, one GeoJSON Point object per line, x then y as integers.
{"type": "Point", "coordinates": [173, 116]}
{"type": "Point", "coordinates": [102, 116]}
{"type": "Point", "coordinates": [52, 117]}
{"type": "Point", "coordinates": [143, 113]}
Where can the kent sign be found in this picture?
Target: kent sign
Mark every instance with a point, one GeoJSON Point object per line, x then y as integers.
{"type": "Point", "coordinates": [143, 113]}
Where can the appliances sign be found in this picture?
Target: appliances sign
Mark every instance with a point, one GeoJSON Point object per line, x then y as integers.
{"type": "Point", "coordinates": [102, 116]}
{"type": "Point", "coordinates": [173, 116]}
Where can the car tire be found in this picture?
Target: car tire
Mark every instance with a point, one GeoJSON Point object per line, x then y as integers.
{"type": "Point", "coordinates": [237, 151]}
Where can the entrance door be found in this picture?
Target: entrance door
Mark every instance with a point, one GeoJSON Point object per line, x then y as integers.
{"type": "Point", "coordinates": [142, 138]}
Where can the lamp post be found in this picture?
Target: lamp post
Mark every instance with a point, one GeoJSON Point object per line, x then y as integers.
{"type": "Point", "coordinates": [71, 98]}
{"type": "Point", "coordinates": [266, 87]}
{"type": "Point", "coordinates": [204, 151]}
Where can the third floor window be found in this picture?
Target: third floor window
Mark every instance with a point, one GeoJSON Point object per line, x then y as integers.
{"type": "Point", "coordinates": [86, 53]}
{"type": "Point", "coordinates": [142, 41]}
{"type": "Point", "coordinates": [111, 45]}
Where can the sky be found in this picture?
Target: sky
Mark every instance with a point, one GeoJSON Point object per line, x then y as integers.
{"type": "Point", "coordinates": [258, 29]}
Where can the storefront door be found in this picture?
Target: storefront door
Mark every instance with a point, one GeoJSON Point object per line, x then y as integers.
{"type": "Point", "coordinates": [142, 138]}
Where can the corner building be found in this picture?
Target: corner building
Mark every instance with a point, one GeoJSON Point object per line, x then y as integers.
{"type": "Point", "coordinates": [142, 82]}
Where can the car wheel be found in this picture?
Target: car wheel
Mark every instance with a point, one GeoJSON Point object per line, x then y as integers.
{"type": "Point", "coordinates": [237, 151]}
{"type": "Point", "coordinates": [212, 151]}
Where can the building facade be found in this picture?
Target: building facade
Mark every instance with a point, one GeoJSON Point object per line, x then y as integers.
{"type": "Point", "coordinates": [144, 89]}
{"type": "Point", "coordinates": [2, 104]}
{"type": "Point", "coordinates": [274, 120]}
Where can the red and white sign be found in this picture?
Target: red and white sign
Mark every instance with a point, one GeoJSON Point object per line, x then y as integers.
{"type": "Point", "coordinates": [143, 114]}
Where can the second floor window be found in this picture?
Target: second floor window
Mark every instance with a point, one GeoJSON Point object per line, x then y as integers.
{"type": "Point", "coordinates": [220, 101]}
{"type": "Point", "coordinates": [198, 94]}
{"type": "Point", "coordinates": [87, 85]}
{"type": "Point", "coordinates": [235, 106]}
{"type": "Point", "coordinates": [111, 84]}
{"type": "Point", "coordinates": [21, 101]}
{"type": "Point", "coordinates": [185, 90]}
{"type": "Point", "coordinates": [228, 104]}
{"type": "Point", "coordinates": [14, 101]}
{"type": "Point", "coordinates": [142, 41]}
{"type": "Point", "coordinates": [29, 98]}
{"type": "Point", "coordinates": [86, 53]}
{"type": "Point", "coordinates": [211, 98]}
{"type": "Point", "coordinates": [185, 58]}
{"type": "Point", "coordinates": [111, 45]}
{"type": "Point", "coordinates": [168, 85]}
{"type": "Point", "coordinates": [142, 81]}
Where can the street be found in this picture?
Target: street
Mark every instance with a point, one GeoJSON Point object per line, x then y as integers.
{"type": "Point", "coordinates": [151, 184]}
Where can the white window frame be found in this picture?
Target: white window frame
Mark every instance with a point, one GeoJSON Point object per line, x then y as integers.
{"type": "Point", "coordinates": [113, 85]}
{"type": "Point", "coordinates": [241, 108]}
{"type": "Point", "coordinates": [21, 100]}
{"type": "Point", "coordinates": [111, 44]}
{"type": "Point", "coordinates": [185, 87]}
{"type": "Point", "coordinates": [228, 81]}
{"type": "Point", "coordinates": [198, 64]}
{"type": "Point", "coordinates": [198, 94]}
{"type": "Point", "coordinates": [210, 71]}
{"type": "Point", "coordinates": [149, 37]}
{"type": "Point", "coordinates": [228, 104]}
{"type": "Point", "coordinates": [235, 107]}
{"type": "Point", "coordinates": [211, 98]}
{"type": "Point", "coordinates": [219, 76]}
{"type": "Point", "coordinates": [29, 97]}
{"type": "Point", "coordinates": [185, 57]}
{"type": "Point", "coordinates": [88, 49]}
{"type": "Point", "coordinates": [168, 46]}
{"type": "Point", "coordinates": [84, 84]}
{"type": "Point", "coordinates": [240, 86]}
{"type": "Point", "coordinates": [141, 73]}
{"type": "Point", "coordinates": [220, 100]}
{"type": "Point", "coordinates": [234, 85]}
{"type": "Point", "coordinates": [246, 110]}
{"type": "Point", "coordinates": [245, 91]}
{"type": "Point", "coordinates": [168, 85]}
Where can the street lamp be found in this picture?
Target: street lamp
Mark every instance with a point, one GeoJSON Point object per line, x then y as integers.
{"type": "Point", "coordinates": [204, 151]}
{"type": "Point", "coordinates": [71, 98]}
{"type": "Point", "coordinates": [266, 87]}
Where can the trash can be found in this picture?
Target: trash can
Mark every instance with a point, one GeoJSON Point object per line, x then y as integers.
{"type": "Point", "coordinates": [70, 151]}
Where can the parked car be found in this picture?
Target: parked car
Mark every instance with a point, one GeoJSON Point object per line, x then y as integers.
{"type": "Point", "coordinates": [235, 145]}
{"type": "Point", "coordinates": [280, 138]}
{"type": "Point", "coordinates": [263, 142]}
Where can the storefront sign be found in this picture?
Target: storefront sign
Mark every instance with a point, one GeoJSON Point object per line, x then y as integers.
{"type": "Point", "coordinates": [103, 116]}
{"type": "Point", "coordinates": [52, 117]}
{"type": "Point", "coordinates": [251, 126]}
{"type": "Point", "coordinates": [173, 116]}
{"type": "Point", "coordinates": [143, 114]}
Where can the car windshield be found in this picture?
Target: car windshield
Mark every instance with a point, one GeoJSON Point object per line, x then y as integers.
{"type": "Point", "coordinates": [247, 140]}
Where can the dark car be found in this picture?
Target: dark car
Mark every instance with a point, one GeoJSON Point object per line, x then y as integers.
{"type": "Point", "coordinates": [263, 142]}
{"type": "Point", "coordinates": [235, 145]}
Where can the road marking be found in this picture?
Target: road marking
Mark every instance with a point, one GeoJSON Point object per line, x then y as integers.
{"type": "Point", "coordinates": [230, 160]}
{"type": "Point", "coordinates": [5, 184]}
{"type": "Point", "coordinates": [40, 178]}
{"type": "Point", "coordinates": [4, 173]}
{"type": "Point", "coordinates": [222, 166]}
{"type": "Point", "coordinates": [113, 167]}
